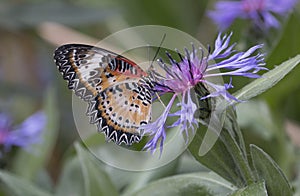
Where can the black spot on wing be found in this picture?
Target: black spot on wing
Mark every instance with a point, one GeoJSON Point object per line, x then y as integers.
{"type": "Point", "coordinates": [111, 134]}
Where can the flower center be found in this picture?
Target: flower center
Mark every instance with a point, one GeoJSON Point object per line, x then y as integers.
{"type": "Point", "coordinates": [253, 5]}
{"type": "Point", "coordinates": [185, 80]}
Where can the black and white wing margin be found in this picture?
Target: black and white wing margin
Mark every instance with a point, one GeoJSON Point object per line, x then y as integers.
{"type": "Point", "coordinates": [82, 66]}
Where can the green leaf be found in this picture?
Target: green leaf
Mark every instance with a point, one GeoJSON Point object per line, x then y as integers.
{"type": "Point", "coordinates": [20, 186]}
{"type": "Point", "coordinates": [29, 164]}
{"type": "Point", "coordinates": [143, 178]}
{"type": "Point", "coordinates": [224, 147]}
{"type": "Point", "coordinates": [96, 181]}
{"type": "Point", "coordinates": [257, 189]}
{"type": "Point", "coordinates": [225, 157]}
{"type": "Point", "coordinates": [267, 131]}
{"type": "Point", "coordinates": [268, 171]}
{"type": "Point", "coordinates": [188, 164]}
{"type": "Point", "coordinates": [187, 184]}
{"type": "Point", "coordinates": [71, 179]}
{"type": "Point", "coordinates": [267, 80]}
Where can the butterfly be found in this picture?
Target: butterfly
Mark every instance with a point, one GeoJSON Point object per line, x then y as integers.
{"type": "Point", "coordinates": [115, 88]}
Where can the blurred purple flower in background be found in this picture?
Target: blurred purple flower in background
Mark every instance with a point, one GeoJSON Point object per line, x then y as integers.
{"type": "Point", "coordinates": [24, 135]}
{"type": "Point", "coordinates": [260, 12]}
{"type": "Point", "coordinates": [181, 77]}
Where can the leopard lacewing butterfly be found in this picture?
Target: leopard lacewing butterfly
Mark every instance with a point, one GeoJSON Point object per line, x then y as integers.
{"type": "Point", "coordinates": [112, 85]}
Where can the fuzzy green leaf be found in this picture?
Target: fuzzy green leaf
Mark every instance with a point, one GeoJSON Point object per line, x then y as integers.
{"type": "Point", "coordinates": [71, 179]}
{"type": "Point", "coordinates": [269, 172]}
{"type": "Point", "coordinates": [188, 184]}
{"type": "Point", "coordinates": [267, 80]}
{"type": "Point", "coordinates": [20, 186]}
{"type": "Point", "coordinates": [143, 178]}
{"type": "Point", "coordinates": [96, 181]}
{"type": "Point", "coordinates": [257, 189]}
{"type": "Point", "coordinates": [225, 157]}
{"type": "Point", "coordinates": [224, 150]}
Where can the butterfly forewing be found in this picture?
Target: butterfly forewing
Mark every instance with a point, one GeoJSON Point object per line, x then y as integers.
{"type": "Point", "coordinates": [90, 69]}
{"type": "Point", "coordinates": [118, 102]}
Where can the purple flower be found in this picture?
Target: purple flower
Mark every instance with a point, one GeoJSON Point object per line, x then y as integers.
{"type": "Point", "coordinates": [157, 129]}
{"type": "Point", "coordinates": [186, 113]}
{"type": "Point", "coordinates": [260, 12]}
{"type": "Point", "coordinates": [23, 135]}
{"type": "Point", "coordinates": [181, 77]}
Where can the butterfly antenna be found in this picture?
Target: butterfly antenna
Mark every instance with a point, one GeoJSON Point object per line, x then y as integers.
{"type": "Point", "coordinates": [151, 65]}
{"type": "Point", "coordinates": [162, 103]}
{"type": "Point", "coordinates": [157, 51]}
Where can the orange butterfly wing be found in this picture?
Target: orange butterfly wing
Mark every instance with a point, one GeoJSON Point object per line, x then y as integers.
{"type": "Point", "coordinates": [112, 85]}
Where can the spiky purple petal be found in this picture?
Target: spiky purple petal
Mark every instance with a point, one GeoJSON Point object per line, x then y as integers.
{"type": "Point", "coordinates": [261, 12]}
{"type": "Point", "coordinates": [186, 114]}
{"type": "Point", "coordinates": [156, 129]}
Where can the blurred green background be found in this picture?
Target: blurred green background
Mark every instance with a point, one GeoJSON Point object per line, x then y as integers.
{"type": "Point", "coordinates": [30, 30]}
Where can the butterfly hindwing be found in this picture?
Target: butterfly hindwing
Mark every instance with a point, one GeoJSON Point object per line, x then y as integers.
{"type": "Point", "coordinates": [111, 84]}
{"type": "Point", "coordinates": [120, 110]}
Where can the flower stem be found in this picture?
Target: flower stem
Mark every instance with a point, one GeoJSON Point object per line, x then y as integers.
{"type": "Point", "coordinates": [238, 156]}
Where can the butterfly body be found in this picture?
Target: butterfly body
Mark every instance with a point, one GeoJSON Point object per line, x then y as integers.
{"type": "Point", "coordinates": [113, 86]}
